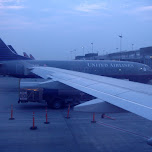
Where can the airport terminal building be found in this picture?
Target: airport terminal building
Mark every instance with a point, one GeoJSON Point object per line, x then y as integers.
{"type": "Point", "coordinates": [143, 55]}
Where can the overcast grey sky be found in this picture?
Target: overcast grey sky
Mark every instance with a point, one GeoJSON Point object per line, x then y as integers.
{"type": "Point", "coordinates": [50, 29]}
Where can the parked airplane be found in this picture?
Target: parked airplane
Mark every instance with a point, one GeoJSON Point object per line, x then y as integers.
{"type": "Point", "coordinates": [19, 66]}
{"type": "Point", "coordinates": [112, 95]}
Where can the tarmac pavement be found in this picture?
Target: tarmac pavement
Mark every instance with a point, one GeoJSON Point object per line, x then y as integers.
{"type": "Point", "coordinates": [128, 132]}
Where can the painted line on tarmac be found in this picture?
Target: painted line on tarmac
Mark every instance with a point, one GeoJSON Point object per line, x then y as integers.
{"type": "Point", "coordinates": [121, 129]}
{"type": "Point", "coordinates": [80, 118]}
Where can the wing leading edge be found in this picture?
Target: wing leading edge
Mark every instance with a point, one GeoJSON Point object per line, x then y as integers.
{"type": "Point", "coordinates": [130, 96]}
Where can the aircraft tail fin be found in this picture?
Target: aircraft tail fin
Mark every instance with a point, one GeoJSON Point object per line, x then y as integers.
{"type": "Point", "coordinates": [25, 54]}
{"type": "Point", "coordinates": [6, 53]}
{"type": "Point", "coordinates": [31, 56]}
{"type": "Point", "coordinates": [12, 49]}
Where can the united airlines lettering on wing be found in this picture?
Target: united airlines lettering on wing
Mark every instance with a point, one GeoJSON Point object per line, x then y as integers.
{"type": "Point", "coordinates": [113, 65]}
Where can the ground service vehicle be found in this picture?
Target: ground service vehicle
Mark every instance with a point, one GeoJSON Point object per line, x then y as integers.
{"type": "Point", "coordinates": [41, 95]}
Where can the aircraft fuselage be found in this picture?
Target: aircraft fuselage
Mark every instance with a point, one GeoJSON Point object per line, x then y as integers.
{"type": "Point", "coordinates": [117, 69]}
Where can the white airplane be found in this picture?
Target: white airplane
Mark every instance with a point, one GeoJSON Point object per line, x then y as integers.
{"type": "Point", "coordinates": [112, 95]}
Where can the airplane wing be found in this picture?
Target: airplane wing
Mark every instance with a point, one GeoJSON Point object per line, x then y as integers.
{"type": "Point", "coordinates": [130, 96]}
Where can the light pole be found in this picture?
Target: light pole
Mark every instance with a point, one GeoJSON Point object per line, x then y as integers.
{"type": "Point", "coordinates": [83, 50]}
{"type": "Point", "coordinates": [120, 44]}
{"type": "Point", "coordinates": [132, 46]}
{"type": "Point", "coordinates": [103, 52]}
{"type": "Point", "coordinates": [74, 52]}
{"type": "Point", "coordinates": [92, 46]}
{"type": "Point", "coordinates": [71, 54]}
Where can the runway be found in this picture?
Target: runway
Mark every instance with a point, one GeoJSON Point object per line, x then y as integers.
{"type": "Point", "coordinates": [128, 132]}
